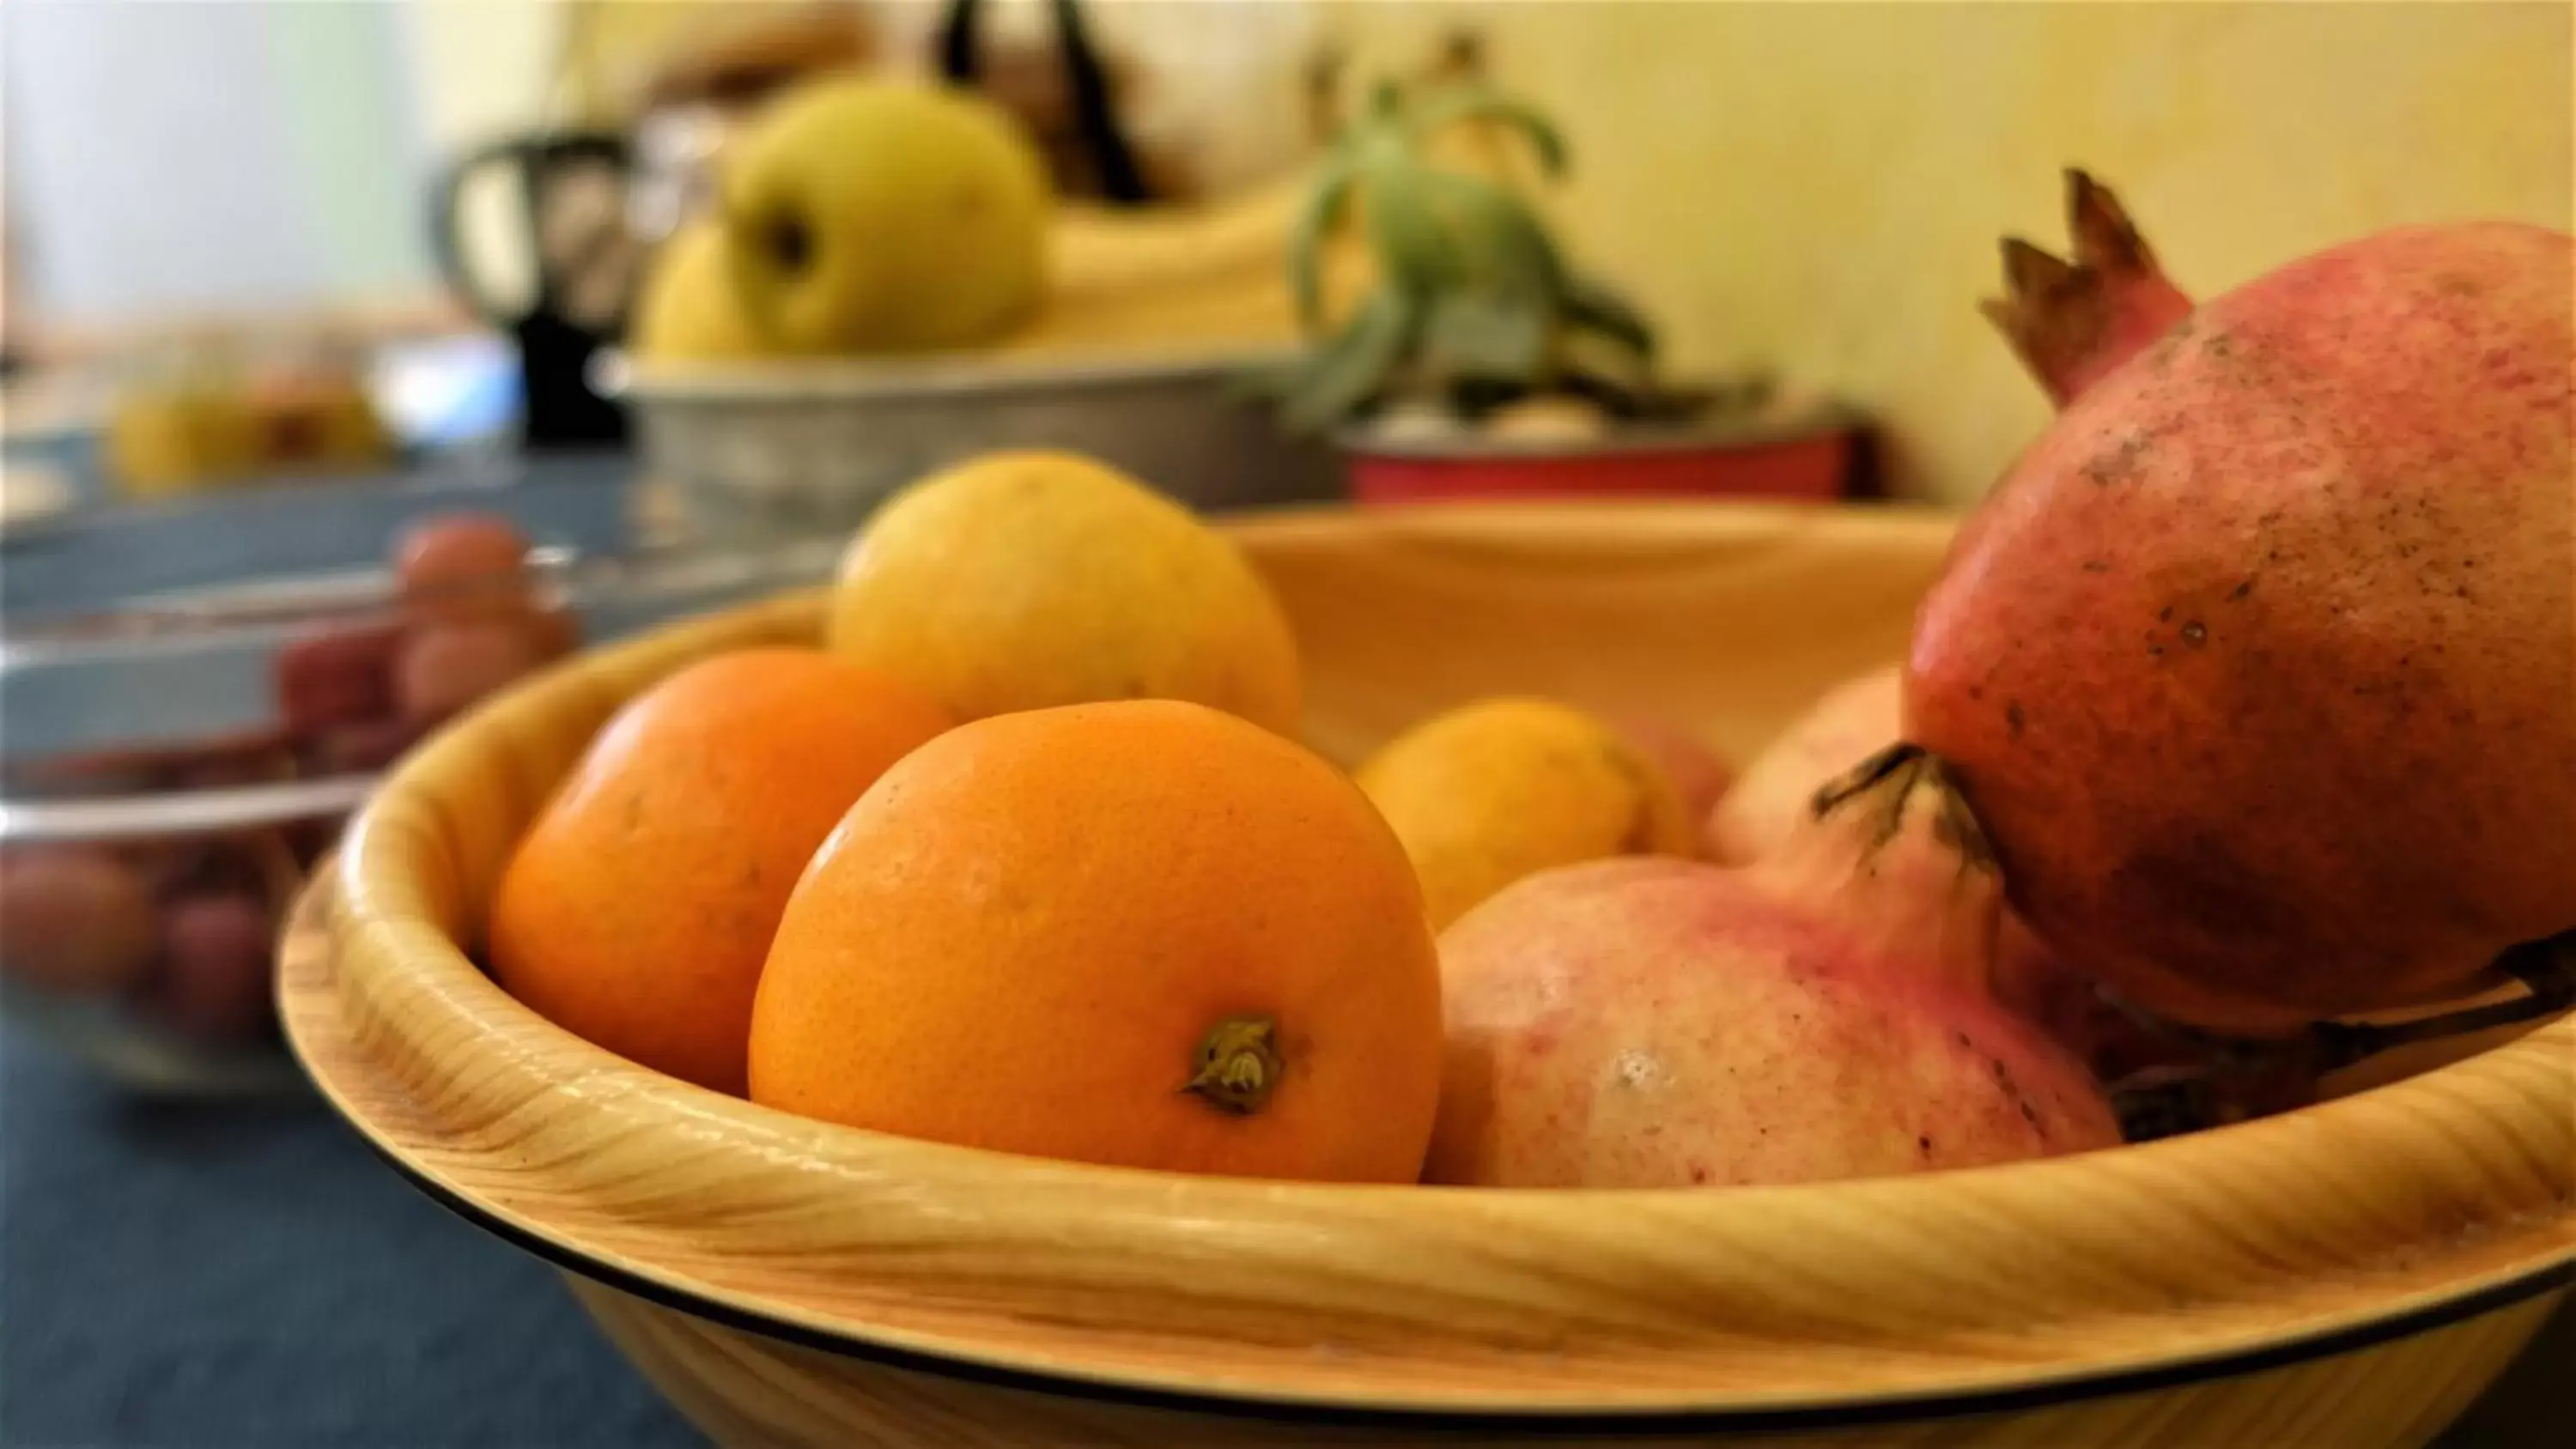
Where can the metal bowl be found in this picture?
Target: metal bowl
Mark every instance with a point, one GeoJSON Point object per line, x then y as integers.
{"type": "Point", "coordinates": [785, 448]}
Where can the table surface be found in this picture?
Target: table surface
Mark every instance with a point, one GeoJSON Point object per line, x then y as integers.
{"type": "Point", "coordinates": [219, 1276]}
{"type": "Point", "coordinates": [253, 1276]}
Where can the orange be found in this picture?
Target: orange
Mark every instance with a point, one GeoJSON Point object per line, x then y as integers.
{"type": "Point", "coordinates": [1142, 932]}
{"type": "Point", "coordinates": [638, 907]}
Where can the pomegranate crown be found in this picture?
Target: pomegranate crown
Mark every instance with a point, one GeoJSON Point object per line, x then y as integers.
{"type": "Point", "coordinates": [2070, 321]}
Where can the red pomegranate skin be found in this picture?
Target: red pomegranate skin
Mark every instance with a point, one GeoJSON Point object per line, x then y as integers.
{"type": "Point", "coordinates": [1668, 1023]}
{"type": "Point", "coordinates": [1772, 800]}
{"type": "Point", "coordinates": [2259, 666]}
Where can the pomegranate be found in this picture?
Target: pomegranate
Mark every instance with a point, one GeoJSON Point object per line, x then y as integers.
{"type": "Point", "coordinates": [1769, 802]}
{"type": "Point", "coordinates": [1773, 804]}
{"type": "Point", "coordinates": [1822, 1014]}
{"type": "Point", "coordinates": [2260, 665]}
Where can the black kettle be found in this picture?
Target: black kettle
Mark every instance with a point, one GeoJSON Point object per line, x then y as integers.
{"type": "Point", "coordinates": [582, 260]}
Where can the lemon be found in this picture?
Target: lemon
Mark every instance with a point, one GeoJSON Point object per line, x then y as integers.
{"type": "Point", "coordinates": [1030, 578]}
{"type": "Point", "coordinates": [1503, 788]}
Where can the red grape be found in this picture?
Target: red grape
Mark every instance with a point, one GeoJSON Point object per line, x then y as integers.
{"type": "Point", "coordinates": [461, 568]}
{"type": "Point", "coordinates": [74, 918]}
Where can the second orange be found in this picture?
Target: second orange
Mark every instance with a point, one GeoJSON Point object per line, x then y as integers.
{"type": "Point", "coordinates": [640, 905]}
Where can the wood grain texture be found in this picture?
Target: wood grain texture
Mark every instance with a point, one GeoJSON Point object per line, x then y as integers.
{"type": "Point", "coordinates": [2389, 1202]}
{"type": "Point", "coordinates": [745, 1390]}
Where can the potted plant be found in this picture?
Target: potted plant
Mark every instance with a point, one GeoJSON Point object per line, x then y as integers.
{"type": "Point", "coordinates": [1480, 362]}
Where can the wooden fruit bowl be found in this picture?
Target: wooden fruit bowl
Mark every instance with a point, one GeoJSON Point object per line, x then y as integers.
{"type": "Point", "coordinates": [2353, 1273]}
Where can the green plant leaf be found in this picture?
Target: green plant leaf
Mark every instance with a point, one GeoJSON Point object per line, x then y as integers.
{"type": "Point", "coordinates": [1488, 337]}
{"type": "Point", "coordinates": [1594, 307]}
{"type": "Point", "coordinates": [1320, 215]}
{"type": "Point", "coordinates": [1414, 249]}
{"type": "Point", "coordinates": [1506, 246]}
{"type": "Point", "coordinates": [1480, 103]}
{"type": "Point", "coordinates": [1349, 370]}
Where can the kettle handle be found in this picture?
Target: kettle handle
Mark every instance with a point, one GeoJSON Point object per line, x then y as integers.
{"type": "Point", "coordinates": [526, 156]}
{"type": "Point", "coordinates": [1085, 79]}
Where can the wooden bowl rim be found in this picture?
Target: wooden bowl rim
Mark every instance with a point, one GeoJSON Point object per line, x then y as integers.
{"type": "Point", "coordinates": [2539, 1257]}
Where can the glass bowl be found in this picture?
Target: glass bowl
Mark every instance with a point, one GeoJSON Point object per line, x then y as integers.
{"type": "Point", "coordinates": [173, 768]}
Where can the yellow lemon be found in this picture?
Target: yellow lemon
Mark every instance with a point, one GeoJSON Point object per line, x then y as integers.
{"type": "Point", "coordinates": [1498, 789]}
{"type": "Point", "coordinates": [1024, 579]}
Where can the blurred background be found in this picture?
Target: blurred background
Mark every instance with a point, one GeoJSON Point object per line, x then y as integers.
{"type": "Point", "coordinates": [1813, 189]}
{"type": "Point", "coordinates": [300, 302]}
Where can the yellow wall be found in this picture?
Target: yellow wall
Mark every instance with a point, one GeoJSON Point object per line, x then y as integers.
{"type": "Point", "coordinates": [1818, 187]}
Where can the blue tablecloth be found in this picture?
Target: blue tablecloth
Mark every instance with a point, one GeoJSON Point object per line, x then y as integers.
{"type": "Point", "coordinates": [254, 1278]}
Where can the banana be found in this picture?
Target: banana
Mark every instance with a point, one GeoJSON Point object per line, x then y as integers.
{"type": "Point", "coordinates": [1177, 276]}
{"type": "Point", "coordinates": [1098, 251]}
